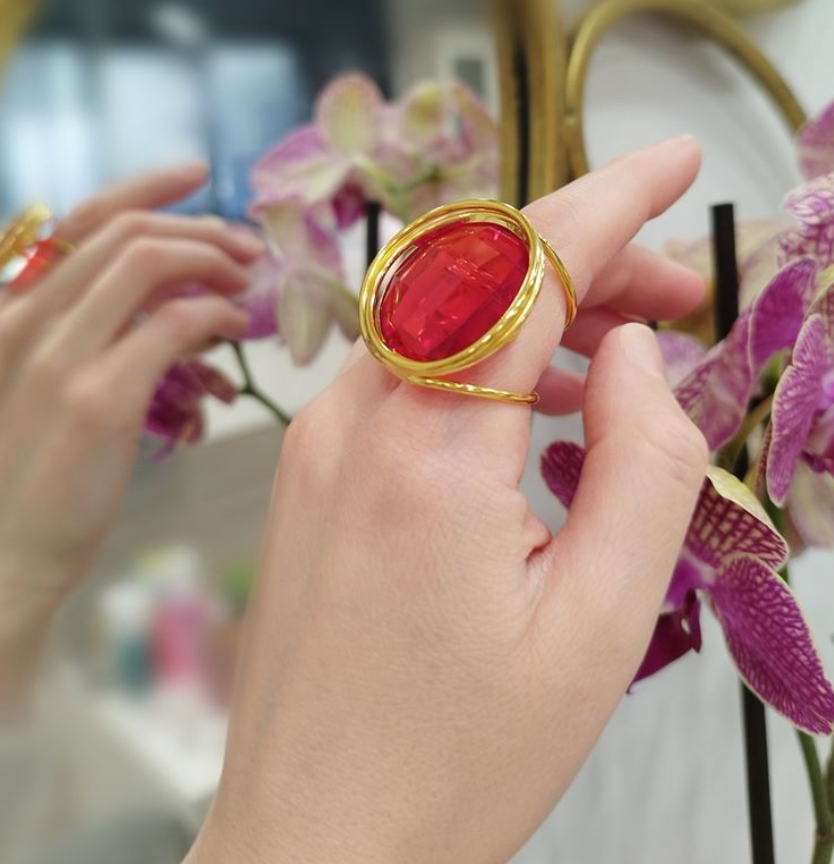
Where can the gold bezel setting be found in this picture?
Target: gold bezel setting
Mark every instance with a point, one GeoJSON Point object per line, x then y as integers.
{"type": "Point", "coordinates": [424, 373]}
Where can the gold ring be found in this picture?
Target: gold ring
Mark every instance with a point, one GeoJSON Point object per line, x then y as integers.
{"type": "Point", "coordinates": [22, 232]}
{"type": "Point", "coordinates": [452, 289]}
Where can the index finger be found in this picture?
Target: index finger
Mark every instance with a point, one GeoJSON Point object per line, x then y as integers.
{"type": "Point", "coordinates": [146, 192]}
{"type": "Point", "coordinates": [589, 223]}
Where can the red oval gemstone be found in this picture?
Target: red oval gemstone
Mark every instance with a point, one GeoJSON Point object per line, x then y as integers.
{"type": "Point", "coordinates": [451, 288]}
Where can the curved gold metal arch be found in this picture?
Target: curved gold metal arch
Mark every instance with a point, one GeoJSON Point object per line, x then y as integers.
{"type": "Point", "coordinates": [15, 16]}
{"type": "Point", "coordinates": [724, 32]}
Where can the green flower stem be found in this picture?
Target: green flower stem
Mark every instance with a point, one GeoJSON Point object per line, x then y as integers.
{"type": "Point", "coordinates": [251, 389]}
{"type": "Point", "coordinates": [755, 418]}
{"type": "Point", "coordinates": [829, 778]}
{"type": "Point", "coordinates": [821, 789]}
{"type": "Point", "coordinates": [823, 849]}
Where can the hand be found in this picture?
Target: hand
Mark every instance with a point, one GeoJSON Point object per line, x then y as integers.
{"type": "Point", "coordinates": [426, 667]}
{"type": "Point", "coordinates": [76, 378]}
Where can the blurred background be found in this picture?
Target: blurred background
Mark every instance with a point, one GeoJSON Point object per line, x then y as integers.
{"type": "Point", "coordinates": [101, 89]}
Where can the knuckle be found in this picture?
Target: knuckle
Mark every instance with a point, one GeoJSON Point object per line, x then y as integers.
{"type": "Point", "coordinates": [145, 256]}
{"type": "Point", "coordinates": [310, 447]}
{"type": "Point", "coordinates": [130, 224]}
{"type": "Point", "coordinates": [414, 487]}
{"type": "Point", "coordinates": [88, 405]}
{"type": "Point", "coordinates": [46, 369]}
{"type": "Point", "coordinates": [87, 216]}
{"type": "Point", "coordinates": [178, 319]}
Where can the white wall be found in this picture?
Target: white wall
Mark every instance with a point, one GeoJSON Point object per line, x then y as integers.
{"type": "Point", "coordinates": [666, 782]}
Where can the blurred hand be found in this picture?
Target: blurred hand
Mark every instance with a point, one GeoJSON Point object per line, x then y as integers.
{"type": "Point", "coordinates": [77, 373]}
{"type": "Point", "coordinates": [426, 667]}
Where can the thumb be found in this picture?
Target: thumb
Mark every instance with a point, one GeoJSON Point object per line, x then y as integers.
{"type": "Point", "coordinates": [640, 482]}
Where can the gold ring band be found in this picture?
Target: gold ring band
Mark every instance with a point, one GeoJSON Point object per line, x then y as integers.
{"type": "Point", "coordinates": [22, 232]}
{"type": "Point", "coordinates": [431, 372]}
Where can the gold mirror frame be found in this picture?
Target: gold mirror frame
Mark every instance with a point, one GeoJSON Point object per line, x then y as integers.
{"type": "Point", "coordinates": [543, 100]}
{"type": "Point", "coordinates": [15, 16]}
{"type": "Point", "coordinates": [543, 82]}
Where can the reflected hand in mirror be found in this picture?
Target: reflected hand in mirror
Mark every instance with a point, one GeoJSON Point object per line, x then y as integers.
{"type": "Point", "coordinates": [78, 368]}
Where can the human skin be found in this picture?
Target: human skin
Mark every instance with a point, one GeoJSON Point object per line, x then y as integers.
{"type": "Point", "coordinates": [76, 379]}
{"type": "Point", "coordinates": [425, 666]}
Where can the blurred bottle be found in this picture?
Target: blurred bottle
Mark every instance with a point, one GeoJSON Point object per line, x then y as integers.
{"type": "Point", "coordinates": [126, 612]}
{"type": "Point", "coordinates": [181, 619]}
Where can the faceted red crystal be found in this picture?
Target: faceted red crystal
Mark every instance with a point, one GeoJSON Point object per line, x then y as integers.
{"type": "Point", "coordinates": [453, 285]}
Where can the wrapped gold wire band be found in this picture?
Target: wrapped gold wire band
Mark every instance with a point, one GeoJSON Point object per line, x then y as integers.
{"type": "Point", "coordinates": [429, 373]}
{"type": "Point", "coordinates": [22, 232]}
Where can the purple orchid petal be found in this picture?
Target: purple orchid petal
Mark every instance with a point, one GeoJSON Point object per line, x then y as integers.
{"type": "Point", "coordinates": [302, 167]}
{"type": "Point", "coordinates": [794, 407]}
{"type": "Point", "coordinates": [561, 468]}
{"type": "Point", "coordinates": [812, 206]}
{"type": "Point", "coordinates": [811, 506]}
{"type": "Point", "coordinates": [771, 644]}
{"type": "Point", "coordinates": [213, 382]}
{"type": "Point", "coordinates": [349, 205]}
{"type": "Point", "coordinates": [300, 238]}
{"type": "Point", "coordinates": [350, 114]}
{"type": "Point", "coordinates": [716, 393]}
{"type": "Point", "coordinates": [730, 520]}
{"type": "Point", "coordinates": [260, 299]}
{"type": "Point", "coordinates": [815, 144]}
{"type": "Point", "coordinates": [682, 354]}
{"type": "Point", "coordinates": [780, 310]}
{"type": "Point", "coordinates": [690, 575]}
{"type": "Point", "coordinates": [676, 634]}
{"type": "Point", "coordinates": [176, 413]}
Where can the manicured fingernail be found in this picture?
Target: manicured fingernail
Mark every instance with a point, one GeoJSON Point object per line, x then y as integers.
{"type": "Point", "coordinates": [680, 141]}
{"type": "Point", "coordinates": [641, 348]}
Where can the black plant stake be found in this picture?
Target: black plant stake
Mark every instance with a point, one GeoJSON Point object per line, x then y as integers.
{"type": "Point", "coordinates": [755, 721]}
{"type": "Point", "coordinates": [373, 214]}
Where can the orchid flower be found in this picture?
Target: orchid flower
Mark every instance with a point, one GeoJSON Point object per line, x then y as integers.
{"type": "Point", "coordinates": [729, 560]}
{"type": "Point", "coordinates": [310, 292]}
{"type": "Point", "coordinates": [261, 299]}
{"type": "Point", "coordinates": [334, 160]}
{"type": "Point", "coordinates": [799, 459]}
{"type": "Point", "coordinates": [176, 412]}
{"type": "Point", "coordinates": [812, 206]}
{"type": "Point", "coordinates": [717, 388]}
{"type": "Point", "coordinates": [439, 145]}
{"type": "Point", "coordinates": [815, 144]}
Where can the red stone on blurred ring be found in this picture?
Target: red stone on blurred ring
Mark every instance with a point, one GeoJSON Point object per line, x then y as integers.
{"type": "Point", "coordinates": [451, 288]}
{"type": "Point", "coordinates": [42, 257]}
